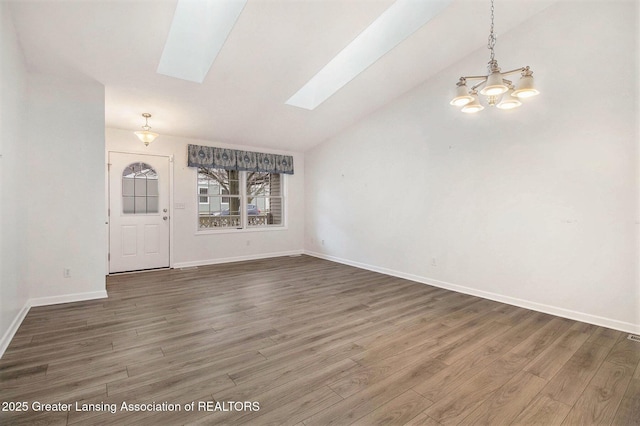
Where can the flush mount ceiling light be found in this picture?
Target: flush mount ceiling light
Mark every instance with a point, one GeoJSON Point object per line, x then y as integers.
{"type": "Point", "coordinates": [198, 32]}
{"type": "Point", "coordinates": [399, 21]}
{"type": "Point", "coordinates": [145, 135]}
{"type": "Point", "coordinates": [499, 91]}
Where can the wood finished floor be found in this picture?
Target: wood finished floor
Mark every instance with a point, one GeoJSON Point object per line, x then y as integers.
{"type": "Point", "coordinates": [314, 343]}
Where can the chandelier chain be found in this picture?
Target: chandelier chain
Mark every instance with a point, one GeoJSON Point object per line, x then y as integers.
{"type": "Point", "coordinates": [492, 36]}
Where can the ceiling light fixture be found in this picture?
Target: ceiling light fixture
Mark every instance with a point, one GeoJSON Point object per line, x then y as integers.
{"type": "Point", "coordinates": [145, 135]}
{"type": "Point", "coordinates": [499, 91]}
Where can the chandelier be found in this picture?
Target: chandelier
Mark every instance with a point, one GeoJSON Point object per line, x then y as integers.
{"type": "Point", "coordinates": [145, 135]}
{"type": "Point", "coordinates": [498, 90]}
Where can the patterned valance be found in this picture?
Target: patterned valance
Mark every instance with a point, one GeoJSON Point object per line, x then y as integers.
{"type": "Point", "coordinates": [233, 159]}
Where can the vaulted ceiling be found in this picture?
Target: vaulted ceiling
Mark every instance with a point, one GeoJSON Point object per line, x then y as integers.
{"type": "Point", "coordinates": [275, 47]}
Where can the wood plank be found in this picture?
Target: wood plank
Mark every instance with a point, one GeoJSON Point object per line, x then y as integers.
{"type": "Point", "coordinates": [422, 420]}
{"type": "Point", "coordinates": [543, 411]}
{"type": "Point", "coordinates": [269, 391]}
{"type": "Point", "coordinates": [599, 402]}
{"type": "Point", "coordinates": [453, 407]}
{"type": "Point", "coordinates": [554, 357]}
{"type": "Point", "coordinates": [465, 345]}
{"type": "Point", "coordinates": [395, 412]}
{"type": "Point", "coordinates": [444, 382]}
{"type": "Point", "coordinates": [571, 380]}
{"type": "Point", "coordinates": [504, 405]}
{"type": "Point", "coordinates": [298, 409]}
{"type": "Point", "coordinates": [629, 411]}
{"type": "Point", "coordinates": [370, 398]}
{"type": "Point", "coordinates": [625, 352]}
{"type": "Point", "coordinates": [373, 373]}
{"type": "Point", "coordinates": [273, 395]}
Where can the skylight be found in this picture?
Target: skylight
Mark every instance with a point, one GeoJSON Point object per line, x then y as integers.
{"type": "Point", "coordinates": [398, 22]}
{"type": "Point", "coordinates": [198, 31]}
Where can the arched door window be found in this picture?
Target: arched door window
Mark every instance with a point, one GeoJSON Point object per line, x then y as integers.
{"type": "Point", "coordinates": [139, 189]}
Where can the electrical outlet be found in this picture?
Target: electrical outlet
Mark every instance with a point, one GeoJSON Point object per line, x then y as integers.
{"type": "Point", "coordinates": [248, 242]}
{"type": "Point", "coordinates": [434, 261]}
{"type": "Point", "coordinates": [66, 272]}
{"type": "Point", "coordinates": [322, 242]}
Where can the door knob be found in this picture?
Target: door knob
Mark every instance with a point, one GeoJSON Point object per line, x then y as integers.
{"type": "Point", "coordinates": [164, 218]}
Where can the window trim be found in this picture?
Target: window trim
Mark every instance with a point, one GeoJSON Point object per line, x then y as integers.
{"type": "Point", "coordinates": [244, 220]}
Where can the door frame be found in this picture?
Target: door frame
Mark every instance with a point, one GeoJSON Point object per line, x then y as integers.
{"type": "Point", "coordinates": [108, 196]}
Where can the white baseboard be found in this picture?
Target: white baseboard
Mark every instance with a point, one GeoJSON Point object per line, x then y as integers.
{"type": "Point", "coordinates": [13, 328]}
{"type": "Point", "coordinates": [44, 301]}
{"type": "Point", "coordinates": [547, 309]}
{"type": "Point", "coordinates": [235, 259]}
{"type": "Point", "coordinates": [68, 298]}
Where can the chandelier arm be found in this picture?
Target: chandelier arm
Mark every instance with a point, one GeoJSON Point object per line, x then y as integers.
{"type": "Point", "coordinates": [474, 87]}
{"type": "Point", "coordinates": [476, 77]}
{"type": "Point", "coordinates": [514, 71]}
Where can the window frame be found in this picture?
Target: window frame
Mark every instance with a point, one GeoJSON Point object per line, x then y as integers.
{"type": "Point", "coordinates": [244, 225]}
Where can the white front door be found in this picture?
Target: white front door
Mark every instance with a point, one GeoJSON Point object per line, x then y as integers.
{"type": "Point", "coordinates": [138, 212]}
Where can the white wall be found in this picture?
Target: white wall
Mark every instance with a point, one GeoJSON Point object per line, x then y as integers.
{"type": "Point", "coordinates": [52, 147]}
{"type": "Point", "coordinates": [13, 76]}
{"type": "Point", "coordinates": [537, 206]}
{"type": "Point", "coordinates": [65, 167]}
{"type": "Point", "coordinates": [191, 248]}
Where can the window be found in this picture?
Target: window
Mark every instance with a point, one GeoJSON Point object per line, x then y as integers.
{"type": "Point", "coordinates": [239, 200]}
{"type": "Point", "coordinates": [139, 189]}
{"type": "Point", "coordinates": [264, 198]}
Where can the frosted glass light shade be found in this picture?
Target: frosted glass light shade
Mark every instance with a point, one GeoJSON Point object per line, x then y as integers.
{"type": "Point", "coordinates": [473, 106]}
{"type": "Point", "coordinates": [494, 85]}
{"type": "Point", "coordinates": [509, 102]}
{"type": "Point", "coordinates": [525, 87]}
{"type": "Point", "coordinates": [146, 136]}
{"type": "Point", "coordinates": [462, 96]}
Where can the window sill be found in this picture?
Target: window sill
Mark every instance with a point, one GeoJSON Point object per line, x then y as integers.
{"type": "Point", "coordinates": [241, 230]}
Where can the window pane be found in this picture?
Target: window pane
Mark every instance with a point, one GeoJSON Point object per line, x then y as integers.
{"type": "Point", "coordinates": [275, 184]}
{"type": "Point", "coordinates": [275, 216]}
{"type": "Point", "coordinates": [140, 205]}
{"type": "Point", "coordinates": [140, 187]}
{"type": "Point", "coordinates": [264, 201]}
{"type": "Point", "coordinates": [220, 181]}
{"type": "Point", "coordinates": [127, 187]}
{"type": "Point", "coordinates": [262, 211]}
{"type": "Point", "coordinates": [127, 205]}
{"type": "Point", "coordinates": [213, 188]}
{"type": "Point", "coordinates": [219, 215]}
{"type": "Point", "coordinates": [139, 181]}
{"type": "Point", "coordinates": [152, 204]}
{"type": "Point", "coordinates": [261, 183]}
{"type": "Point", "coordinates": [152, 187]}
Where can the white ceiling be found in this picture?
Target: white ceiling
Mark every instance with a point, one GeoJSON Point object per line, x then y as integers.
{"type": "Point", "coordinates": [275, 47]}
